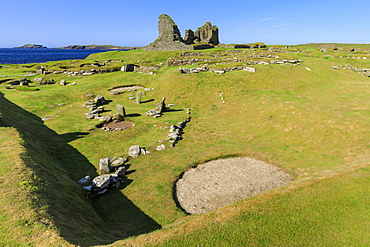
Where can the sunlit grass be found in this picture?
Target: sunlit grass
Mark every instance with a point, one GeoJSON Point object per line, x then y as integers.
{"type": "Point", "coordinates": [313, 124]}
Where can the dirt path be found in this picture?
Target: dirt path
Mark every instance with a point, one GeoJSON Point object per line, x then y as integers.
{"type": "Point", "coordinates": [221, 182]}
{"type": "Point", "coordinates": [17, 75]}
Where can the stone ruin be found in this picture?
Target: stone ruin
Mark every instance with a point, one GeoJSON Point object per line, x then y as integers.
{"type": "Point", "coordinates": [159, 109]}
{"type": "Point", "coordinates": [170, 39]}
{"type": "Point", "coordinates": [95, 107]}
{"type": "Point", "coordinates": [113, 170]}
{"type": "Point", "coordinates": [205, 34]}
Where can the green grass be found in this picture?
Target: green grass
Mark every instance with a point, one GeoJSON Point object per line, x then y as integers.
{"type": "Point", "coordinates": [329, 212]}
{"type": "Point", "coordinates": [313, 124]}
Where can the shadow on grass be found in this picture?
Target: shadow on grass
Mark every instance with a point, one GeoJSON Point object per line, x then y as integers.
{"type": "Point", "coordinates": [147, 101]}
{"type": "Point", "coordinates": [80, 221]}
{"type": "Point", "coordinates": [133, 115]}
{"type": "Point", "coordinates": [5, 80]}
{"type": "Point", "coordinates": [172, 110]}
{"type": "Point", "coordinates": [68, 137]}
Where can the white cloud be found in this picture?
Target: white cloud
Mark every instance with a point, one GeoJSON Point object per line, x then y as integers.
{"type": "Point", "coordinates": [268, 19]}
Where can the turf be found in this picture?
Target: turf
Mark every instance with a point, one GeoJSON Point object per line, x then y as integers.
{"type": "Point", "coordinates": [311, 123]}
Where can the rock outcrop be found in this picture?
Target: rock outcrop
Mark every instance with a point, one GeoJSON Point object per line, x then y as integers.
{"type": "Point", "coordinates": [170, 39]}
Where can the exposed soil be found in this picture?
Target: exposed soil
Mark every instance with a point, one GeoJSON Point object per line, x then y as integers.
{"type": "Point", "coordinates": [126, 88]}
{"type": "Point", "coordinates": [123, 125]}
{"type": "Point", "coordinates": [221, 182]}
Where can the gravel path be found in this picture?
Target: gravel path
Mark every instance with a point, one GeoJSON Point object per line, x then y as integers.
{"type": "Point", "coordinates": [221, 182]}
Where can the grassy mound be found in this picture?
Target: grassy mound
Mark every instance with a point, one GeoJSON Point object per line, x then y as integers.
{"type": "Point", "coordinates": [309, 119]}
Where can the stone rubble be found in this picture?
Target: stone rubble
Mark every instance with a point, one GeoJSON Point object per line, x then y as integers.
{"type": "Point", "coordinates": [134, 151]}
{"type": "Point", "coordinates": [111, 177]}
{"type": "Point", "coordinates": [95, 107]}
{"type": "Point", "coordinates": [362, 71]}
{"type": "Point", "coordinates": [176, 131]}
{"type": "Point", "coordinates": [240, 67]}
{"type": "Point", "coordinates": [157, 112]}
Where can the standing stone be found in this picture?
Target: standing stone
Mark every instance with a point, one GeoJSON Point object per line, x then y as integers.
{"type": "Point", "coordinates": [139, 94]}
{"type": "Point", "coordinates": [104, 166]}
{"type": "Point", "coordinates": [120, 111]}
{"type": "Point", "coordinates": [134, 151]}
{"type": "Point", "coordinates": [160, 107]}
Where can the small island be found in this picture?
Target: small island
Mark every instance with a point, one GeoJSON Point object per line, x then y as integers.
{"type": "Point", "coordinates": [97, 47]}
{"type": "Point", "coordinates": [78, 47]}
{"type": "Point", "coordinates": [31, 46]}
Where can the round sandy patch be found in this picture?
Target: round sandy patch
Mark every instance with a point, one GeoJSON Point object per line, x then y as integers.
{"type": "Point", "coordinates": [221, 182]}
{"type": "Point", "coordinates": [123, 125]}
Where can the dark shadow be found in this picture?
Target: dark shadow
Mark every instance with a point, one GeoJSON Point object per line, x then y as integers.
{"type": "Point", "coordinates": [147, 101]}
{"type": "Point", "coordinates": [133, 115]}
{"type": "Point", "coordinates": [174, 194]}
{"type": "Point", "coordinates": [126, 183]}
{"type": "Point", "coordinates": [5, 80]}
{"type": "Point", "coordinates": [129, 172]}
{"type": "Point", "coordinates": [2, 122]}
{"type": "Point", "coordinates": [172, 110]}
{"type": "Point", "coordinates": [58, 166]}
{"type": "Point", "coordinates": [68, 137]}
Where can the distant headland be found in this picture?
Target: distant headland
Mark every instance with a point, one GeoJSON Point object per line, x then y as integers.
{"type": "Point", "coordinates": [31, 46]}
{"type": "Point", "coordinates": [78, 47]}
{"type": "Point", "coordinates": [94, 47]}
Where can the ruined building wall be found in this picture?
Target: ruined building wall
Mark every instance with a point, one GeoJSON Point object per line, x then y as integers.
{"type": "Point", "coordinates": [169, 38]}
{"type": "Point", "coordinates": [207, 34]}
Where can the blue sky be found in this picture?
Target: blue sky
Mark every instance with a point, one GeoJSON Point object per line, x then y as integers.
{"type": "Point", "coordinates": [134, 23]}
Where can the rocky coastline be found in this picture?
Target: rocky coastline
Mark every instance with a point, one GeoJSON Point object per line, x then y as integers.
{"type": "Point", "coordinates": [93, 47]}
{"type": "Point", "coordinates": [78, 47]}
{"type": "Point", "coordinates": [31, 46]}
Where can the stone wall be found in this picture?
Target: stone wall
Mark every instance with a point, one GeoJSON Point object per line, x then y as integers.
{"type": "Point", "coordinates": [207, 34]}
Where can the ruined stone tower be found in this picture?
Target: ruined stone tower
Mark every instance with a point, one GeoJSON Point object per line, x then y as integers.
{"type": "Point", "coordinates": [169, 38]}
{"type": "Point", "coordinates": [207, 34]}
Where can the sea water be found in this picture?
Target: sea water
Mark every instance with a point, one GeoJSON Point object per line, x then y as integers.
{"type": "Point", "coordinates": [22, 56]}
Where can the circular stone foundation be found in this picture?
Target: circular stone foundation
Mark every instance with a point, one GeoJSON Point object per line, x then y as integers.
{"type": "Point", "coordinates": [116, 126]}
{"type": "Point", "coordinates": [220, 182]}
